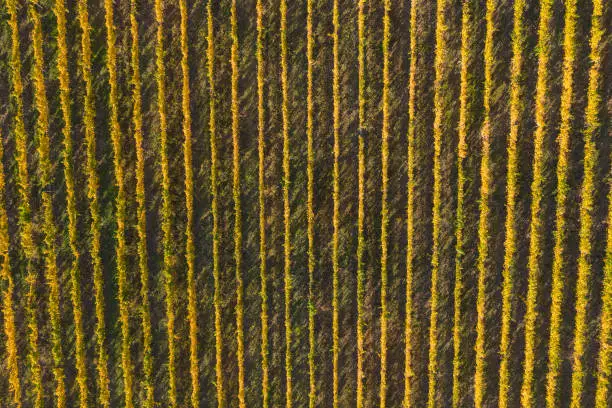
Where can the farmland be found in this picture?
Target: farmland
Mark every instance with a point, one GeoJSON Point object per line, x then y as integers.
{"type": "Point", "coordinates": [368, 203]}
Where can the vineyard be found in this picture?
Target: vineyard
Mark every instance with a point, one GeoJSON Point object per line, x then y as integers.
{"type": "Point", "coordinates": [305, 203]}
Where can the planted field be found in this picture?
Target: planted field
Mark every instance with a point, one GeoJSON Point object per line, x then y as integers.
{"type": "Point", "coordinates": [311, 203]}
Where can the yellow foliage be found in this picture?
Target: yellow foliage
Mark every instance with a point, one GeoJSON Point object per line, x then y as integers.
{"type": "Point", "coordinates": [147, 356]}
{"type": "Point", "coordinates": [166, 223]}
{"type": "Point", "coordinates": [361, 205]}
{"type": "Point", "coordinates": [484, 220]}
{"type": "Point", "coordinates": [309, 210]}
{"type": "Point", "coordinates": [27, 239]}
{"type": "Point", "coordinates": [563, 188]}
{"type": "Point", "coordinates": [589, 186]}
{"type": "Point", "coordinates": [45, 174]}
{"type": "Point", "coordinates": [286, 207]}
{"type": "Point", "coordinates": [120, 204]}
{"type": "Point", "coordinates": [336, 204]}
{"type": "Point", "coordinates": [75, 291]}
{"type": "Point", "coordinates": [215, 206]}
{"type": "Point", "coordinates": [93, 185]}
{"type": "Point", "coordinates": [537, 226]}
{"type": "Point", "coordinates": [237, 209]}
{"type": "Point", "coordinates": [512, 188]}
{"type": "Point", "coordinates": [410, 236]}
{"type": "Point", "coordinates": [440, 53]}
{"type": "Point", "coordinates": [8, 309]}
{"type": "Point", "coordinates": [604, 374]}
{"type": "Point", "coordinates": [189, 250]}
{"type": "Point", "coordinates": [262, 208]}
{"type": "Point", "coordinates": [384, 212]}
